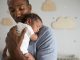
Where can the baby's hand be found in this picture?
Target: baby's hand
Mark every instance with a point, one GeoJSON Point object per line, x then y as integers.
{"type": "Point", "coordinates": [34, 37]}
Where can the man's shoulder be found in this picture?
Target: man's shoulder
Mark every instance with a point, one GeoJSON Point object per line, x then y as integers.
{"type": "Point", "coordinates": [45, 33]}
{"type": "Point", "coordinates": [46, 38]}
{"type": "Point", "coordinates": [45, 29]}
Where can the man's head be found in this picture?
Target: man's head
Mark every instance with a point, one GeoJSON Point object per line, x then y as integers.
{"type": "Point", "coordinates": [18, 8]}
{"type": "Point", "coordinates": [33, 20]}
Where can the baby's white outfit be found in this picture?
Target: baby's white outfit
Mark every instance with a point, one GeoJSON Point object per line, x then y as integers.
{"type": "Point", "coordinates": [27, 35]}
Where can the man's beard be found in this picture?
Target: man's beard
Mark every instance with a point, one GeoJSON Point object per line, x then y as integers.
{"type": "Point", "coordinates": [18, 19]}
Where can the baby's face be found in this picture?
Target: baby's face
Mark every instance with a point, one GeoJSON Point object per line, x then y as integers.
{"type": "Point", "coordinates": [36, 25]}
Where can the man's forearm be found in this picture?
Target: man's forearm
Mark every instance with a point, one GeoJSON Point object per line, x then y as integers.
{"type": "Point", "coordinates": [19, 55]}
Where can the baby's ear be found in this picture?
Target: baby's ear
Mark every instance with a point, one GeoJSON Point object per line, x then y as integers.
{"type": "Point", "coordinates": [29, 21]}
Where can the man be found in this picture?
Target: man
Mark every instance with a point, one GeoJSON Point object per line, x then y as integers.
{"type": "Point", "coordinates": [42, 49]}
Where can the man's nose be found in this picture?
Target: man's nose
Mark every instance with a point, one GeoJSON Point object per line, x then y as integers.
{"type": "Point", "coordinates": [37, 30]}
{"type": "Point", "coordinates": [17, 13]}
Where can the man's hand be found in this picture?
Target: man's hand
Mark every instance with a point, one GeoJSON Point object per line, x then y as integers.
{"type": "Point", "coordinates": [12, 37]}
{"type": "Point", "coordinates": [13, 42]}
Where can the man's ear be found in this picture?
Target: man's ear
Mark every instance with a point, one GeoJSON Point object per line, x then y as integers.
{"type": "Point", "coordinates": [29, 21]}
{"type": "Point", "coordinates": [30, 7]}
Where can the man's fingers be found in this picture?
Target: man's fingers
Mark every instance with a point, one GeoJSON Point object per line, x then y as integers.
{"type": "Point", "coordinates": [12, 35]}
{"type": "Point", "coordinates": [13, 28]}
{"type": "Point", "coordinates": [13, 31]}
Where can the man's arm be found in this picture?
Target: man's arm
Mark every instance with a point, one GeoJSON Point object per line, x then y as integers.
{"type": "Point", "coordinates": [12, 42]}
{"type": "Point", "coordinates": [46, 45]}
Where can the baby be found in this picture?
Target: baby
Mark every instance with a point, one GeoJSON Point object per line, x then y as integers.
{"type": "Point", "coordinates": [32, 23]}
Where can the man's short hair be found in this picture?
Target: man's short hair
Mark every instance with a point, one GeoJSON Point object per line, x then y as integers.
{"type": "Point", "coordinates": [27, 1]}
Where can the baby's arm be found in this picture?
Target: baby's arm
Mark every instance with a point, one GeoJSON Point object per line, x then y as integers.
{"type": "Point", "coordinates": [34, 37]}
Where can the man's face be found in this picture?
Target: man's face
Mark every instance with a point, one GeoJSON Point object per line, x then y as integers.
{"type": "Point", "coordinates": [18, 8]}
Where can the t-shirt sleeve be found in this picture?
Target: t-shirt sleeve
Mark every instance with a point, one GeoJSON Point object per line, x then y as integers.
{"type": "Point", "coordinates": [46, 45]}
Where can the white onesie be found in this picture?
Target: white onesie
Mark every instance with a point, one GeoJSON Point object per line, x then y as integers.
{"type": "Point", "coordinates": [29, 32]}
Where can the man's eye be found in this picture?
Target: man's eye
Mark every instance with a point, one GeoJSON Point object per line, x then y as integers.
{"type": "Point", "coordinates": [21, 8]}
{"type": "Point", "coordinates": [12, 10]}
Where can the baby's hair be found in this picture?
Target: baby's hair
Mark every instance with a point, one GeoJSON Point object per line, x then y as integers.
{"type": "Point", "coordinates": [31, 16]}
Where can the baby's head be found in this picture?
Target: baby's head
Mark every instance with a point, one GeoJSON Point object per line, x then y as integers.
{"type": "Point", "coordinates": [33, 20]}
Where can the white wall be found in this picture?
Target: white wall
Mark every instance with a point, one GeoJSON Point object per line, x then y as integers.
{"type": "Point", "coordinates": [68, 40]}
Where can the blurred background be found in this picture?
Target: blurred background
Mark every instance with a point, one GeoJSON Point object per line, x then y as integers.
{"type": "Point", "coordinates": [63, 16]}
